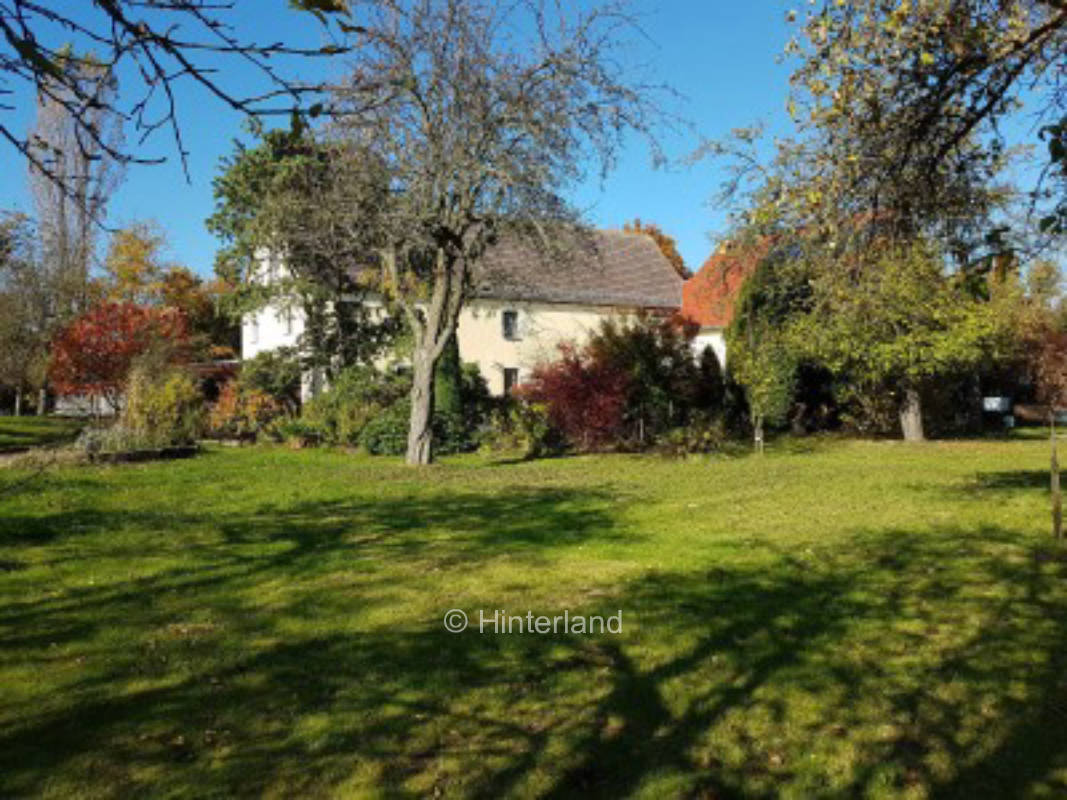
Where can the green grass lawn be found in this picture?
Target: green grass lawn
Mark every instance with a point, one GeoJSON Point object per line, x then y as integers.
{"type": "Point", "coordinates": [20, 432]}
{"type": "Point", "coordinates": [840, 619]}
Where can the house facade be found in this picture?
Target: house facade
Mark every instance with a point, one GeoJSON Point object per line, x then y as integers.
{"type": "Point", "coordinates": [525, 303]}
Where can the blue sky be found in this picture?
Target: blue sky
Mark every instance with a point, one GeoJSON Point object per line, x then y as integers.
{"type": "Point", "coordinates": [720, 55]}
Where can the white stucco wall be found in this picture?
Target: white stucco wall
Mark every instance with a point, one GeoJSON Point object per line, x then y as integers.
{"type": "Point", "coordinates": [270, 328]}
{"type": "Point", "coordinates": [716, 338]}
{"type": "Point", "coordinates": [541, 327]}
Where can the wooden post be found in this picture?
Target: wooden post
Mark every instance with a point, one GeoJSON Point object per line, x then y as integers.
{"type": "Point", "coordinates": [1057, 499]}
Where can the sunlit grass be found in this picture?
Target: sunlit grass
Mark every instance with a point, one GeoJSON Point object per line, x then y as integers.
{"type": "Point", "coordinates": [836, 619]}
{"type": "Point", "coordinates": [22, 432]}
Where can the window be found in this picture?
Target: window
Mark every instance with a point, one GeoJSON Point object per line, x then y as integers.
{"type": "Point", "coordinates": [510, 324]}
{"type": "Point", "coordinates": [511, 379]}
{"type": "Point", "coordinates": [287, 321]}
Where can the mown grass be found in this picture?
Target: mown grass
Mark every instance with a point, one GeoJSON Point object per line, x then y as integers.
{"type": "Point", "coordinates": [17, 433]}
{"type": "Point", "coordinates": [833, 620]}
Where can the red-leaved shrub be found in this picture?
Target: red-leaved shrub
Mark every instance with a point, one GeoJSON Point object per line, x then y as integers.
{"type": "Point", "coordinates": [93, 354]}
{"type": "Point", "coordinates": [585, 398]}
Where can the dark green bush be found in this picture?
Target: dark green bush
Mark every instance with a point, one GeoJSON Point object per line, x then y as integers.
{"type": "Point", "coordinates": [357, 396]}
{"type": "Point", "coordinates": [298, 432]}
{"type": "Point", "coordinates": [387, 433]}
{"type": "Point", "coordinates": [276, 373]}
{"type": "Point", "coordinates": [522, 428]}
{"type": "Point", "coordinates": [703, 434]}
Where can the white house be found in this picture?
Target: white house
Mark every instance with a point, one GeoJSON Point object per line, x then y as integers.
{"type": "Point", "coordinates": [525, 304]}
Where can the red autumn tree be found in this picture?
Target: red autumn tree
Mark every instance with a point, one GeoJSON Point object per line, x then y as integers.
{"type": "Point", "coordinates": [585, 397]}
{"type": "Point", "coordinates": [94, 353]}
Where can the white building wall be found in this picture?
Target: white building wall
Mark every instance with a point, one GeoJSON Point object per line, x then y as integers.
{"type": "Point", "coordinates": [716, 338]}
{"type": "Point", "coordinates": [270, 328]}
{"type": "Point", "coordinates": [541, 328]}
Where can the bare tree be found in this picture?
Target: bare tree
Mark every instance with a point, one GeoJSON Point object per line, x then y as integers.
{"type": "Point", "coordinates": [73, 176]}
{"type": "Point", "coordinates": [478, 115]}
{"type": "Point", "coordinates": [158, 45]}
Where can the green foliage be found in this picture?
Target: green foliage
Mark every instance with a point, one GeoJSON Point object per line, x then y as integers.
{"type": "Point", "coordinates": [277, 197]}
{"type": "Point", "coordinates": [163, 409]}
{"type": "Point", "coordinates": [277, 373]}
{"type": "Point", "coordinates": [765, 365]}
{"type": "Point", "coordinates": [819, 336]}
{"type": "Point", "coordinates": [355, 397]}
{"type": "Point", "coordinates": [523, 428]}
{"type": "Point", "coordinates": [298, 432]}
{"type": "Point", "coordinates": [448, 380]}
{"type": "Point", "coordinates": [366, 406]}
{"type": "Point", "coordinates": [704, 434]}
{"type": "Point", "coordinates": [900, 319]}
{"type": "Point", "coordinates": [387, 433]}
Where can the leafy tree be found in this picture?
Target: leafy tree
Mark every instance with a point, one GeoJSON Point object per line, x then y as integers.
{"type": "Point", "coordinates": [763, 356]}
{"type": "Point", "coordinates": [899, 321]}
{"type": "Point", "coordinates": [137, 272]}
{"type": "Point", "coordinates": [763, 363]}
{"type": "Point", "coordinates": [906, 99]}
{"type": "Point", "coordinates": [93, 354]}
{"type": "Point", "coordinates": [211, 330]}
{"type": "Point", "coordinates": [134, 264]}
{"type": "Point", "coordinates": [474, 130]}
{"type": "Point", "coordinates": [664, 379]}
{"type": "Point", "coordinates": [666, 244]}
{"type": "Point", "coordinates": [291, 212]}
{"type": "Point", "coordinates": [25, 309]}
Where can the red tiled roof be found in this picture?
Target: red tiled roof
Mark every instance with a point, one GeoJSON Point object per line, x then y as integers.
{"type": "Point", "coordinates": [708, 297]}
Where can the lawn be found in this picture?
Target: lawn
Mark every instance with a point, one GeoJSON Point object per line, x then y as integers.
{"type": "Point", "coordinates": [17, 433]}
{"type": "Point", "coordinates": [839, 619]}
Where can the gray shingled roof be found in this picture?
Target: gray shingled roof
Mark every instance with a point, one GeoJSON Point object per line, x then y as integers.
{"type": "Point", "coordinates": [607, 268]}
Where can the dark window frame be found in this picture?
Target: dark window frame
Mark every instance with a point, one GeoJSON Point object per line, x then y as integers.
{"type": "Point", "coordinates": [509, 325]}
{"type": "Point", "coordinates": [511, 379]}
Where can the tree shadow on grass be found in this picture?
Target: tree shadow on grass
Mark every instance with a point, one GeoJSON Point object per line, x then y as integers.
{"type": "Point", "coordinates": [361, 545]}
{"type": "Point", "coordinates": [902, 661]}
{"type": "Point", "coordinates": [1009, 480]}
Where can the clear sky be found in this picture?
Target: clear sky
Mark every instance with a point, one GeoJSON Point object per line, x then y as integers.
{"type": "Point", "coordinates": [719, 54]}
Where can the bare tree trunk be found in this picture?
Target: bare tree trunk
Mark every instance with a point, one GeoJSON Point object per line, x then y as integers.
{"type": "Point", "coordinates": [758, 433]}
{"type": "Point", "coordinates": [420, 429]}
{"type": "Point", "coordinates": [42, 400]}
{"type": "Point", "coordinates": [18, 401]}
{"type": "Point", "coordinates": [1054, 481]}
{"type": "Point", "coordinates": [911, 416]}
